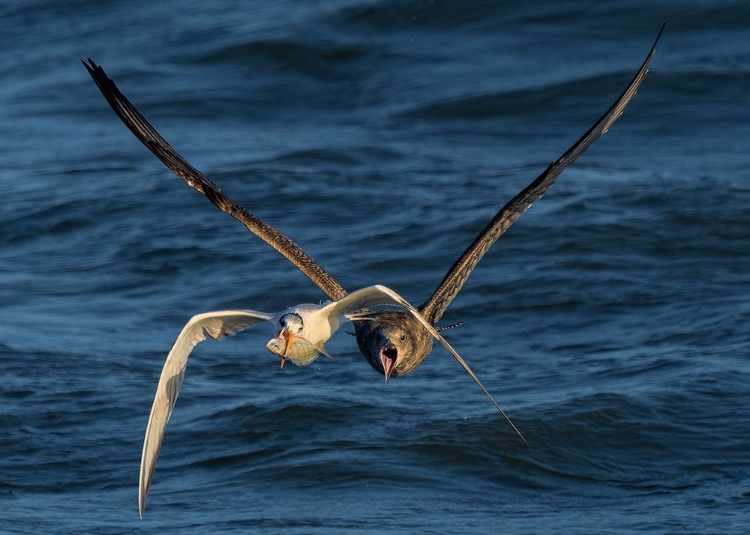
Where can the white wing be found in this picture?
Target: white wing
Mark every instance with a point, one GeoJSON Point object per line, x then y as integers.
{"type": "Point", "coordinates": [362, 299]}
{"type": "Point", "coordinates": [391, 297]}
{"type": "Point", "coordinates": [217, 325]}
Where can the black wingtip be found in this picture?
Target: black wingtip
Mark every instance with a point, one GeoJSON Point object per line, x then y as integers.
{"type": "Point", "coordinates": [658, 35]}
{"type": "Point", "coordinates": [89, 64]}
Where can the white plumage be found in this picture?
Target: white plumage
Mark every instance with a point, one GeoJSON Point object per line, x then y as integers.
{"type": "Point", "coordinates": [304, 330]}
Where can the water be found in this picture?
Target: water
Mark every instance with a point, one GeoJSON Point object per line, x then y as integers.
{"type": "Point", "coordinates": [610, 321]}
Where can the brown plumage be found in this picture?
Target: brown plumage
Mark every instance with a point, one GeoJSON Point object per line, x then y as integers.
{"type": "Point", "coordinates": [148, 135]}
{"type": "Point", "coordinates": [396, 344]}
{"type": "Point", "coordinates": [164, 151]}
{"type": "Point", "coordinates": [393, 342]}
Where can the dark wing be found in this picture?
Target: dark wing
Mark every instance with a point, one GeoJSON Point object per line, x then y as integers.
{"type": "Point", "coordinates": [164, 151]}
{"type": "Point", "coordinates": [462, 268]}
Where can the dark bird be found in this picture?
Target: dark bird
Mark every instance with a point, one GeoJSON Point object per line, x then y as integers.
{"type": "Point", "coordinates": [303, 328]}
{"type": "Point", "coordinates": [393, 342]}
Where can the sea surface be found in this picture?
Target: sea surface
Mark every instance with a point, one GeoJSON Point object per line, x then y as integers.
{"type": "Point", "coordinates": [611, 322]}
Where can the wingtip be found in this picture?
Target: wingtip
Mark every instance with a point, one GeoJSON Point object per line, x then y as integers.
{"type": "Point", "coordinates": [141, 502]}
{"type": "Point", "coordinates": [661, 31]}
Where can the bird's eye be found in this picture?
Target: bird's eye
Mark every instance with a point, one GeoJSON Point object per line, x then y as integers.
{"type": "Point", "coordinates": [403, 338]}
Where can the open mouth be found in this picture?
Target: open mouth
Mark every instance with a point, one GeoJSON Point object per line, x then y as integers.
{"type": "Point", "coordinates": [388, 357]}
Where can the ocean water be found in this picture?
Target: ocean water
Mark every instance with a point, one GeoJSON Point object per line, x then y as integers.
{"type": "Point", "coordinates": [610, 322]}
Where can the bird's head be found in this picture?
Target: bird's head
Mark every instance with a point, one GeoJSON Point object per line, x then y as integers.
{"type": "Point", "coordinates": [393, 342]}
{"type": "Point", "coordinates": [290, 342]}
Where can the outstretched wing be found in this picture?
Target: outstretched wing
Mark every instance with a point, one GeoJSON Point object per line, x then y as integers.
{"type": "Point", "coordinates": [382, 295]}
{"type": "Point", "coordinates": [355, 304]}
{"type": "Point", "coordinates": [462, 268]}
{"type": "Point", "coordinates": [148, 135]}
{"type": "Point", "coordinates": [217, 325]}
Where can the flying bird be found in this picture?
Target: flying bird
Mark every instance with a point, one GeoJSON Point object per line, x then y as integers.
{"type": "Point", "coordinates": [300, 325]}
{"type": "Point", "coordinates": [303, 329]}
{"type": "Point", "coordinates": [393, 342]}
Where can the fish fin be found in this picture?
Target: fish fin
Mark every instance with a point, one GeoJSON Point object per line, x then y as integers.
{"type": "Point", "coordinates": [320, 346]}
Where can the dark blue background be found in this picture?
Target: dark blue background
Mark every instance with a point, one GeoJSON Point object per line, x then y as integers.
{"type": "Point", "coordinates": [611, 322]}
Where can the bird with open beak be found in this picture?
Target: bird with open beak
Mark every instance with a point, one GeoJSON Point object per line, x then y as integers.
{"type": "Point", "coordinates": [304, 330]}
{"type": "Point", "coordinates": [393, 342]}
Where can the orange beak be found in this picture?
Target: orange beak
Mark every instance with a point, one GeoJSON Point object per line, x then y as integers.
{"type": "Point", "coordinates": [288, 339]}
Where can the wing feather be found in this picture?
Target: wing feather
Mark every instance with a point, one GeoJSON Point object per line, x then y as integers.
{"type": "Point", "coordinates": [459, 272]}
{"type": "Point", "coordinates": [382, 295]}
{"type": "Point", "coordinates": [148, 135]}
{"type": "Point", "coordinates": [215, 325]}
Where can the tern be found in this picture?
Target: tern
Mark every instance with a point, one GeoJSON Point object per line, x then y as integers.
{"type": "Point", "coordinates": [393, 342]}
{"type": "Point", "coordinates": [302, 323]}
{"type": "Point", "coordinates": [304, 328]}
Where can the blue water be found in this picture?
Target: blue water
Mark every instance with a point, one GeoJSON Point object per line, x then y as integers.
{"type": "Point", "coordinates": [611, 321]}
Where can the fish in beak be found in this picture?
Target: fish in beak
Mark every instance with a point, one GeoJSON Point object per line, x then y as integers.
{"type": "Point", "coordinates": [288, 345]}
{"type": "Point", "coordinates": [282, 343]}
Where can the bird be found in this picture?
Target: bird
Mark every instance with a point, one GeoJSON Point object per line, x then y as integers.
{"type": "Point", "coordinates": [304, 328]}
{"type": "Point", "coordinates": [148, 135]}
{"type": "Point", "coordinates": [393, 342]}
{"type": "Point", "coordinates": [296, 342]}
